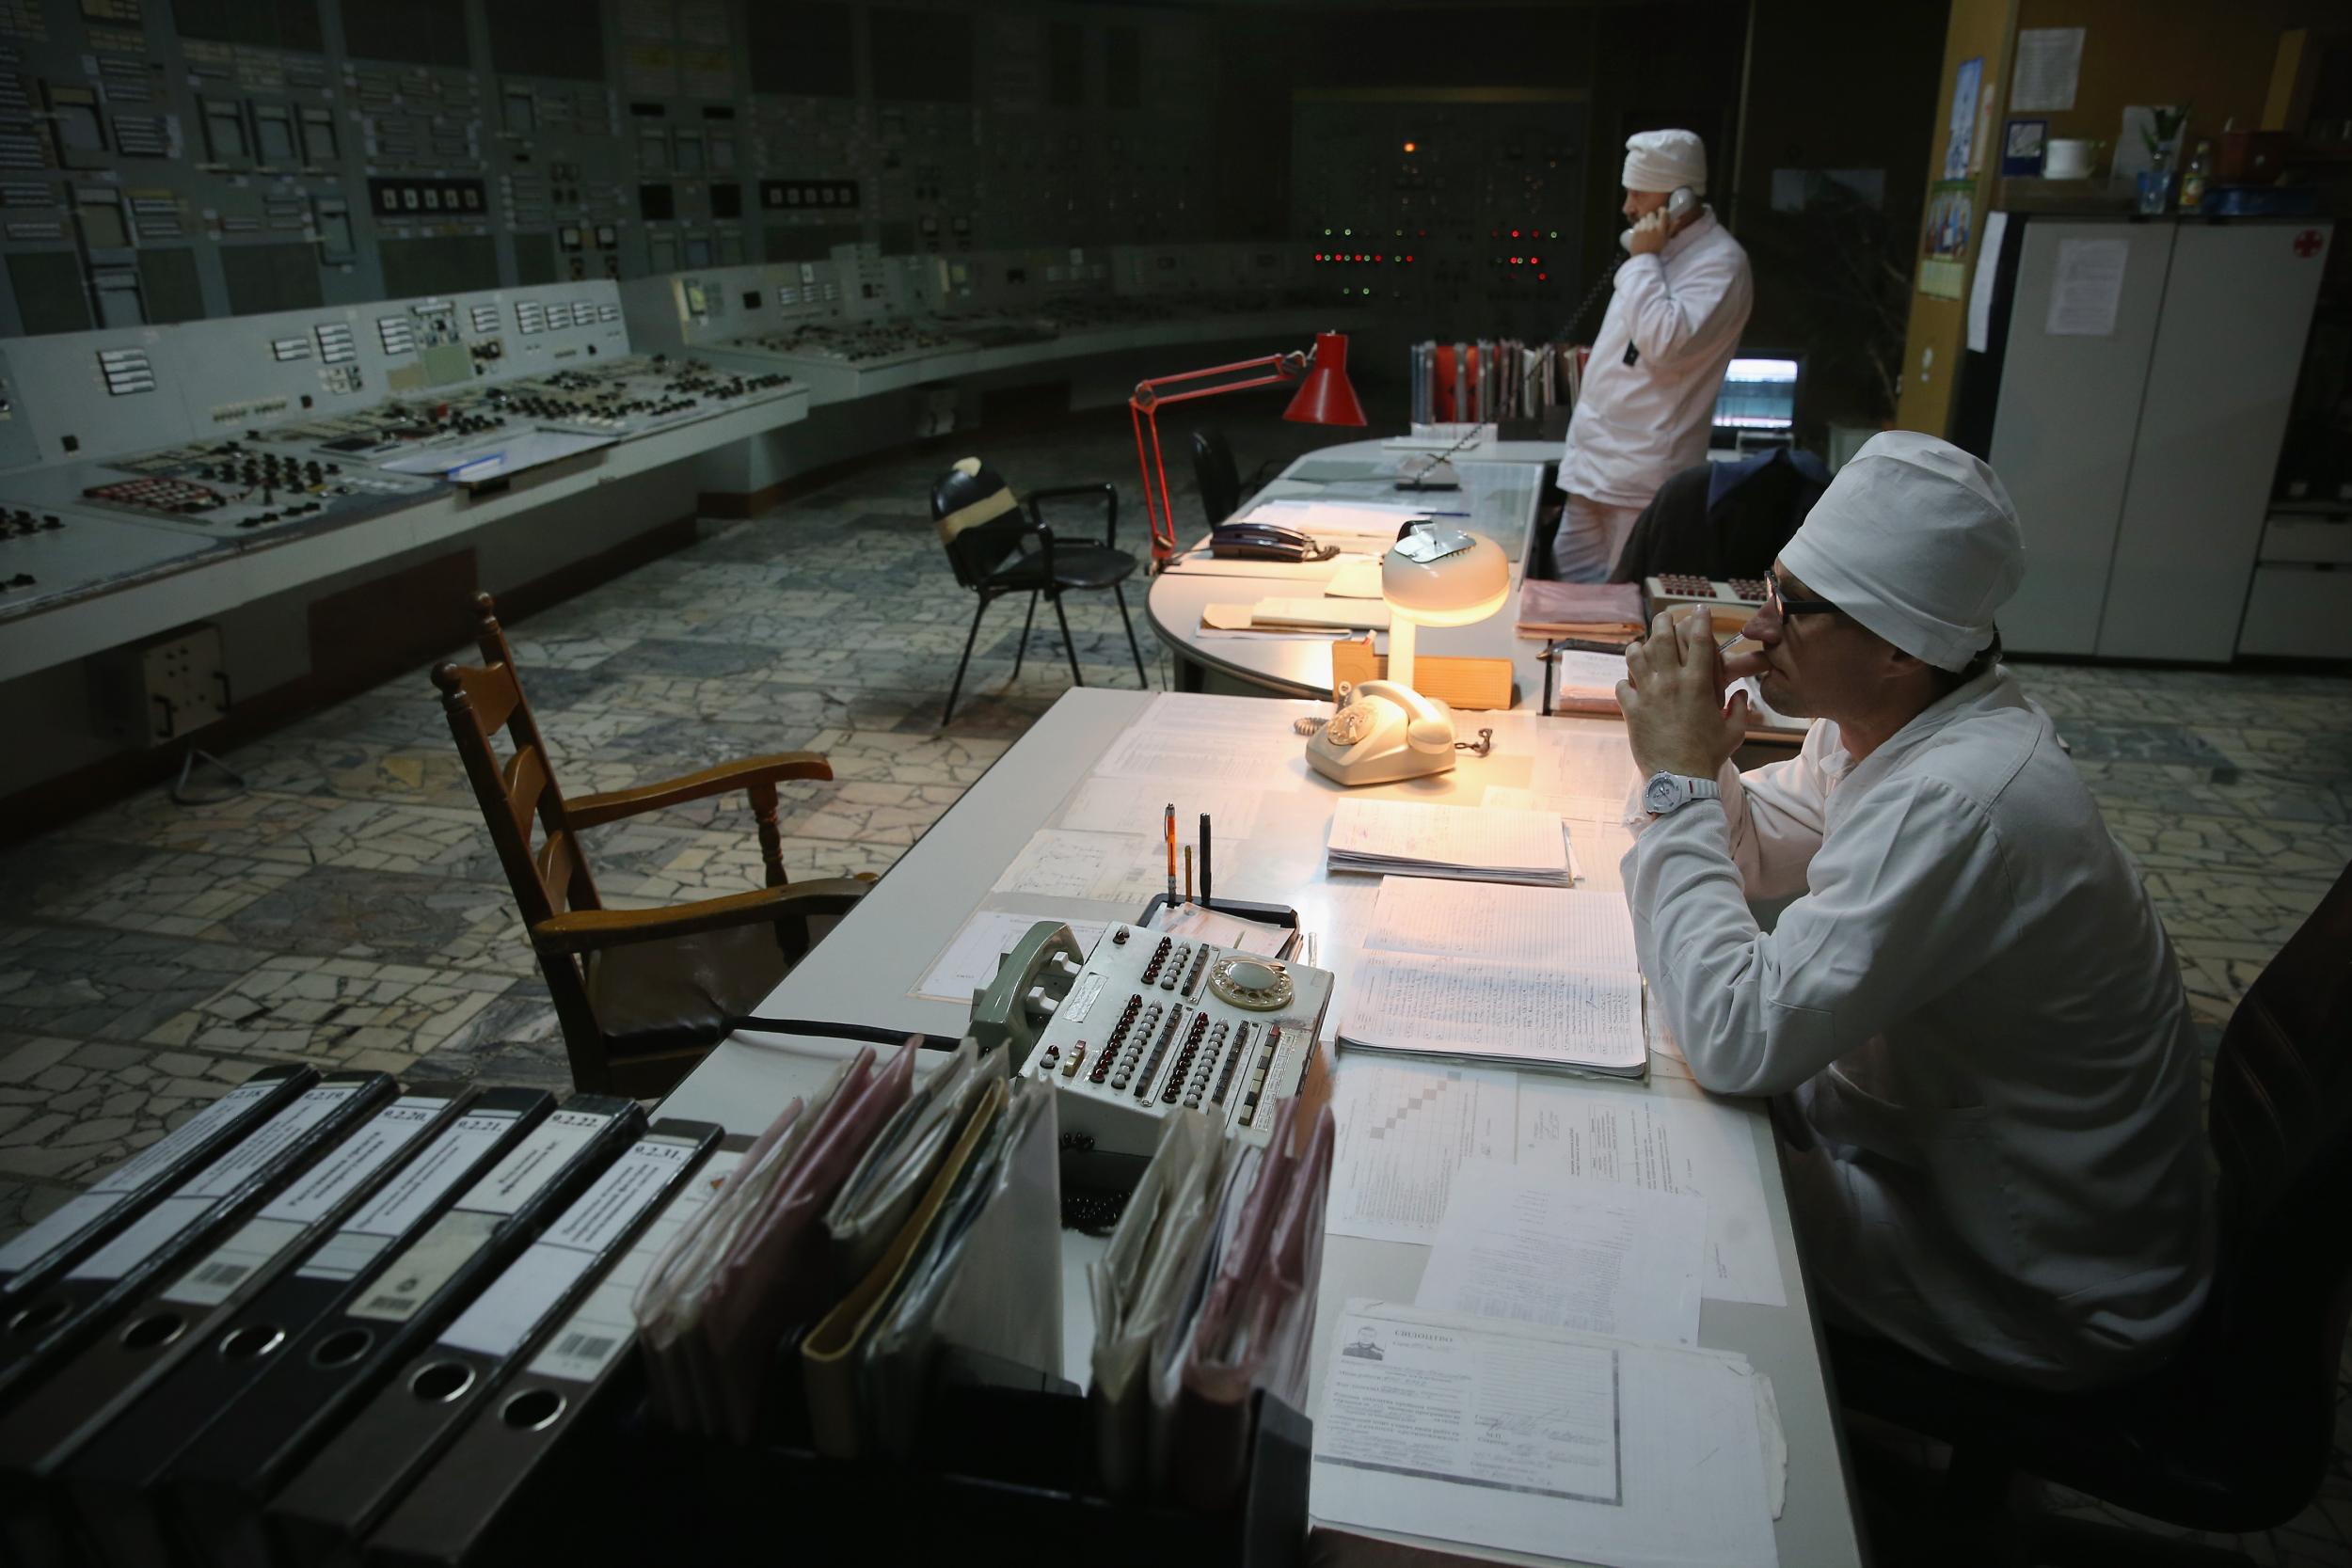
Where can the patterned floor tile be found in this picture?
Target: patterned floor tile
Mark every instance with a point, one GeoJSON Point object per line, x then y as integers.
{"type": "Point", "coordinates": [348, 908]}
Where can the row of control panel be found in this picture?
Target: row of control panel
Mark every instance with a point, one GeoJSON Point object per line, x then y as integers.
{"type": "Point", "coordinates": [131, 451]}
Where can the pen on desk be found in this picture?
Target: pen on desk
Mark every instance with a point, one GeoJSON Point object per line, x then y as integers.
{"type": "Point", "coordinates": [1204, 860]}
{"type": "Point", "coordinates": [1172, 851]}
{"type": "Point", "coordinates": [1188, 873]}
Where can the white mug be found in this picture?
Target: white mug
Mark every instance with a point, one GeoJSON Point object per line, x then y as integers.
{"type": "Point", "coordinates": [2069, 160]}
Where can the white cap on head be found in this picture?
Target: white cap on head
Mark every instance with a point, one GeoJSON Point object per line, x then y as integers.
{"type": "Point", "coordinates": [1916, 540]}
{"type": "Point", "coordinates": [1666, 161]}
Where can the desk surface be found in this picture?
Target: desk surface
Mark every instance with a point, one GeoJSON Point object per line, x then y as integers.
{"type": "Point", "coordinates": [862, 973]}
{"type": "Point", "coordinates": [1502, 490]}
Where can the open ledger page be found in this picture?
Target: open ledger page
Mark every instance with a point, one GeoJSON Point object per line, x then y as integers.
{"type": "Point", "coordinates": [1511, 1014]}
{"type": "Point", "coordinates": [1540, 1440]}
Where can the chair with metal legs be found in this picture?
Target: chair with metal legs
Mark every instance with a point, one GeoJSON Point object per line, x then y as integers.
{"type": "Point", "coordinates": [995, 550]}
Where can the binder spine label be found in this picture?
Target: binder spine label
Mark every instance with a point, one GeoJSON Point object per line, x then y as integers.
{"type": "Point", "coordinates": [503, 1317]}
{"type": "Point", "coordinates": [601, 1324]}
{"type": "Point", "coordinates": [412, 1279]}
{"type": "Point", "coordinates": [550, 1146]}
{"type": "Point", "coordinates": [259, 1242]}
{"type": "Point", "coordinates": [195, 1199]}
{"type": "Point", "coordinates": [77, 1214]}
{"type": "Point", "coordinates": [411, 1193]}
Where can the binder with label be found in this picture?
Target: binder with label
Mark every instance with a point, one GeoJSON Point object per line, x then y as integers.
{"type": "Point", "coordinates": [181, 1308]}
{"type": "Point", "coordinates": [82, 1223]}
{"type": "Point", "coordinates": [332, 1501]}
{"type": "Point", "coordinates": [56, 1319]}
{"type": "Point", "coordinates": [476, 1501]}
{"type": "Point", "coordinates": [216, 1489]}
{"type": "Point", "coordinates": [113, 1481]}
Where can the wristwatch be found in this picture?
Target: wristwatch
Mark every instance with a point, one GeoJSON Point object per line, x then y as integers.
{"type": "Point", "coordinates": [1667, 792]}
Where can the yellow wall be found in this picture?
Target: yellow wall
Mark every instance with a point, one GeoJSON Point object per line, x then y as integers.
{"type": "Point", "coordinates": [2215, 56]}
{"type": "Point", "coordinates": [1977, 28]}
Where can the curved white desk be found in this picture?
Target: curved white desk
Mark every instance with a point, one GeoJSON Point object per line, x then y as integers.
{"type": "Point", "coordinates": [1502, 490]}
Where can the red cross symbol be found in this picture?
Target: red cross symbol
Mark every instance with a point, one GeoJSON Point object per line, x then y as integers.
{"type": "Point", "coordinates": [2307, 244]}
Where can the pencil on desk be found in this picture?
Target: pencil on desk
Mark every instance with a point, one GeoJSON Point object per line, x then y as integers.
{"type": "Point", "coordinates": [1188, 873]}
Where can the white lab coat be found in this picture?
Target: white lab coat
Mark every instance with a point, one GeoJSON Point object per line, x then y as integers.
{"type": "Point", "coordinates": [1978, 1020]}
{"type": "Point", "coordinates": [1681, 310]}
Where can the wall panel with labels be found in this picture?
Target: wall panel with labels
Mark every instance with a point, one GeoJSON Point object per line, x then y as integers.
{"type": "Point", "coordinates": [165, 161]}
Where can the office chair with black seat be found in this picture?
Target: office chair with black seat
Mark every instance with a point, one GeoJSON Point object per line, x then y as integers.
{"type": "Point", "coordinates": [641, 994]}
{"type": "Point", "coordinates": [1220, 479]}
{"type": "Point", "coordinates": [1723, 519]}
{"type": "Point", "coordinates": [2234, 1434]}
{"type": "Point", "coordinates": [995, 551]}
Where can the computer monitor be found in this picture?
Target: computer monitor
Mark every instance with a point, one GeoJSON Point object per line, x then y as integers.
{"type": "Point", "coordinates": [1757, 395]}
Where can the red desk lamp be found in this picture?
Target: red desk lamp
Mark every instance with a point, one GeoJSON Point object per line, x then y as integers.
{"type": "Point", "coordinates": [1323, 397]}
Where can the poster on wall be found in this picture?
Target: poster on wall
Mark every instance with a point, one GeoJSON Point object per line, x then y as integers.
{"type": "Point", "coordinates": [2049, 64]}
{"type": "Point", "coordinates": [1961, 140]}
{"type": "Point", "coordinates": [1951, 224]}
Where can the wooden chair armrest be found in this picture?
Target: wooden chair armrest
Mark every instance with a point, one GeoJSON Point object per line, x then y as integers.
{"type": "Point", "coordinates": [591, 811]}
{"type": "Point", "coordinates": [586, 930]}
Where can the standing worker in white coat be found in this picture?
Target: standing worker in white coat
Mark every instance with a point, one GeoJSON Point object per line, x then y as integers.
{"type": "Point", "coordinates": [1971, 1005]}
{"type": "Point", "coordinates": [1648, 394]}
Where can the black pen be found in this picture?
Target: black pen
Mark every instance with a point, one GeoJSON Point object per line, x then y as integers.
{"type": "Point", "coordinates": [1204, 860]}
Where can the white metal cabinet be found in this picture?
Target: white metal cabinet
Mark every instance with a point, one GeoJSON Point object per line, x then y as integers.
{"type": "Point", "coordinates": [2237, 307]}
{"type": "Point", "coordinates": [2062, 437]}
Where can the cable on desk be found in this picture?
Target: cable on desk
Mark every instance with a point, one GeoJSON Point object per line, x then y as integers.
{"type": "Point", "coordinates": [873, 1032]}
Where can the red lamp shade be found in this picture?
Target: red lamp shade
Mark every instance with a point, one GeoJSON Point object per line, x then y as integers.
{"type": "Point", "coordinates": [1326, 397]}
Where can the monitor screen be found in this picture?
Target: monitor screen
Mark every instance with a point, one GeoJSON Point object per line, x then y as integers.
{"type": "Point", "coordinates": [1758, 394]}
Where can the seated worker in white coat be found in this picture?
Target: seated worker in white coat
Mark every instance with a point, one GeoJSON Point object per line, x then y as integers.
{"type": "Point", "coordinates": [1648, 396]}
{"type": "Point", "coordinates": [1971, 1005]}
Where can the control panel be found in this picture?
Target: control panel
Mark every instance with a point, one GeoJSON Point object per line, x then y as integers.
{"type": "Point", "coordinates": [1466, 216]}
{"type": "Point", "coordinates": [167, 164]}
{"type": "Point", "coordinates": [1151, 1023]}
{"type": "Point", "coordinates": [144, 449]}
{"type": "Point", "coordinates": [59, 553]}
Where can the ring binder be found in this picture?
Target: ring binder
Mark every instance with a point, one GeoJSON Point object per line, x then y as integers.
{"type": "Point", "coordinates": [362, 1470]}
{"type": "Point", "coordinates": [216, 1487]}
{"type": "Point", "coordinates": [179, 1311]}
{"type": "Point", "coordinates": [113, 1482]}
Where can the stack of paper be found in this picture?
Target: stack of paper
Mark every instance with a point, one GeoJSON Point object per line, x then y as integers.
{"type": "Point", "coordinates": [1414, 838]}
{"type": "Point", "coordinates": [1606, 612]}
{"type": "Point", "coordinates": [1330, 614]}
{"type": "Point", "coordinates": [1545, 1441]}
{"type": "Point", "coordinates": [1586, 682]}
{"type": "Point", "coordinates": [1471, 1010]}
{"type": "Point", "coordinates": [1542, 978]}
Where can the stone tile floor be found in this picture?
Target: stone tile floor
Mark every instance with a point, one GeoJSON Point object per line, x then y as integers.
{"type": "Point", "coordinates": [347, 911]}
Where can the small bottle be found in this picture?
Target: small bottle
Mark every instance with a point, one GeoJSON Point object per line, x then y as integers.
{"type": "Point", "coordinates": [2193, 182]}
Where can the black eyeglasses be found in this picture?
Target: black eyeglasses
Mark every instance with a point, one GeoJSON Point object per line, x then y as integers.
{"type": "Point", "coordinates": [1784, 607]}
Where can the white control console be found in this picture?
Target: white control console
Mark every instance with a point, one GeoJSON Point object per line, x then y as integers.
{"type": "Point", "coordinates": [1151, 1023]}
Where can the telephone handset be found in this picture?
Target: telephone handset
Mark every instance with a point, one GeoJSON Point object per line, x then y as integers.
{"type": "Point", "coordinates": [1266, 542]}
{"type": "Point", "coordinates": [1679, 205]}
{"type": "Point", "coordinates": [1383, 732]}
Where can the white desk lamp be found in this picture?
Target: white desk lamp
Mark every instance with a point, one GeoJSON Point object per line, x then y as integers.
{"type": "Point", "coordinates": [1433, 577]}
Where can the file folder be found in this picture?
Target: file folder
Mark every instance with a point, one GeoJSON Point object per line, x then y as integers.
{"type": "Point", "coordinates": [475, 1503]}
{"type": "Point", "coordinates": [55, 1319]}
{"type": "Point", "coordinates": [113, 1481]}
{"type": "Point", "coordinates": [352, 1481]}
{"type": "Point", "coordinates": [83, 1222]}
{"type": "Point", "coordinates": [216, 1487]}
{"type": "Point", "coordinates": [181, 1309]}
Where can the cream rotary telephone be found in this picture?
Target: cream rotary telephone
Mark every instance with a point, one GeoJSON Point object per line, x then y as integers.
{"type": "Point", "coordinates": [1382, 732]}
